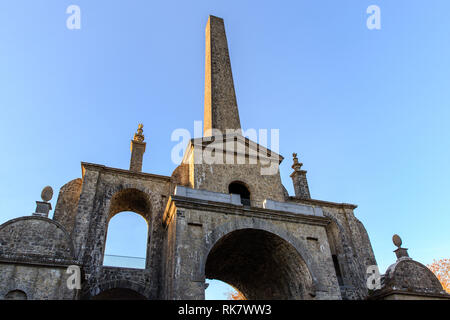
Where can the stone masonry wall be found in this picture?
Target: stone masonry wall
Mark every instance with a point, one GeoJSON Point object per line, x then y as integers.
{"type": "Point", "coordinates": [38, 282]}
{"type": "Point", "coordinates": [353, 246]}
{"type": "Point", "coordinates": [35, 237]}
{"type": "Point", "coordinates": [198, 230]}
{"type": "Point", "coordinates": [217, 177]}
{"type": "Point", "coordinates": [67, 204]}
{"type": "Point", "coordinates": [99, 186]}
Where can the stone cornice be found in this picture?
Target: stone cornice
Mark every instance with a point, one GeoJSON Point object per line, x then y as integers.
{"type": "Point", "coordinates": [385, 292]}
{"type": "Point", "coordinates": [324, 203]}
{"type": "Point", "coordinates": [298, 172]}
{"type": "Point", "coordinates": [220, 207]}
{"type": "Point", "coordinates": [37, 260]}
{"type": "Point", "coordinates": [141, 175]}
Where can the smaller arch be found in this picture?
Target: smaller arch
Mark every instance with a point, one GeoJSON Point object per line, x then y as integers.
{"type": "Point", "coordinates": [130, 199]}
{"type": "Point", "coordinates": [240, 188]}
{"type": "Point", "coordinates": [16, 295]}
{"type": "Point", "coordinates": [116, 290]}
{"type": "Point", "coordinates": [127, 241]}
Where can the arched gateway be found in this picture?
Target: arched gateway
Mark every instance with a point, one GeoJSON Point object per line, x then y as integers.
{"type": "Point", "coordinates": [263, 253]}
{"type": "Point", "coordinates": [261, 265]}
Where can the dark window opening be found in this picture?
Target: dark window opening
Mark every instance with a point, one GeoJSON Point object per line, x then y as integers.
{"type": "Point", "coordinates": [337, 269]}
{"type": "Point", "coordinates": [240, 189]}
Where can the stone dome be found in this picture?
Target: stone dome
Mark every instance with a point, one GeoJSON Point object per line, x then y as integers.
{"type": "Point", "coordinates": [37, 237]}
{"type": "Point", "coordinates": [409, 275]}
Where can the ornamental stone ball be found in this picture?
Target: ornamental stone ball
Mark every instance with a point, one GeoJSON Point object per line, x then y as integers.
{"type": "Point", "coordinates": [47, 193]}
{"type": "Point", "coordinates": [397, 240]}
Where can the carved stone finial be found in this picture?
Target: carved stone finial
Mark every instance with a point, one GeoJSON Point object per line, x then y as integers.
{"type": "Point", "coordinates": [47, 194]}
{"type": "Point", "coordinates": [299, 179]}
{"type": "Point", "coordinates": [397, 240]}
{"type": "Point", "coordinates": [139, 136]}
{"type": "Point", "coordinates": [137, 148]}
{"type": "Point", "coordinates": [44, 206]}
{"type": "Point", "coordinates": [297, 165]}
{"type": "Point", "coordinates": [399, 252]}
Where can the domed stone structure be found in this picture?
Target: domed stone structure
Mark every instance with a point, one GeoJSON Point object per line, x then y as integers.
{"type": "Point", "coordinates": [34, 255]}
{"type": "Point", "coordinates": [412, 276]}
{"type": "Point", "coordinates": [407, 279]}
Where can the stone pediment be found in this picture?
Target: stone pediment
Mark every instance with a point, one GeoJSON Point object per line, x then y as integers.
{"type": "Point", "coordinates": [231, 145]}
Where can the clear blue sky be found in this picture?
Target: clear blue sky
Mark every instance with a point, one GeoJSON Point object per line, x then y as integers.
{"type": "Point", "coordinates": [366, 110]}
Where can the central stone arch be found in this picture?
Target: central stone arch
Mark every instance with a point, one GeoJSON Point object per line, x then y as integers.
{"type": "Point", "coordinates": [261, 260]}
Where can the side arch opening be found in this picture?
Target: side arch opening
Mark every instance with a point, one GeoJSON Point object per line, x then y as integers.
{"type": "Point", "coordinates": [127, 230]}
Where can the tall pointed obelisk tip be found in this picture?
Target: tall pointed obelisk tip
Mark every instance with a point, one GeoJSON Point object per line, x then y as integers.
{"type": "Point", "coordinates": [214, 17]}
{"type": "Point", "coordinates": [221, 110]}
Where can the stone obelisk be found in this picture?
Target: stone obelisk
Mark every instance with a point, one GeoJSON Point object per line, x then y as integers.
{"type": "Point", "coordinates": [221, 111]}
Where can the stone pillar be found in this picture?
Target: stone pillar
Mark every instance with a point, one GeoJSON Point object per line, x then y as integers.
{"type": "Point", "coordinates": [43, 207]}
{"type": "Point", "coordinates": [221, 111]}
{"type": "Point", "coordinates": [137, 148]}
{"type": "Point", "coordinates": [399, 252]}
{"type": "Point", "coordinates": [299, 180]}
